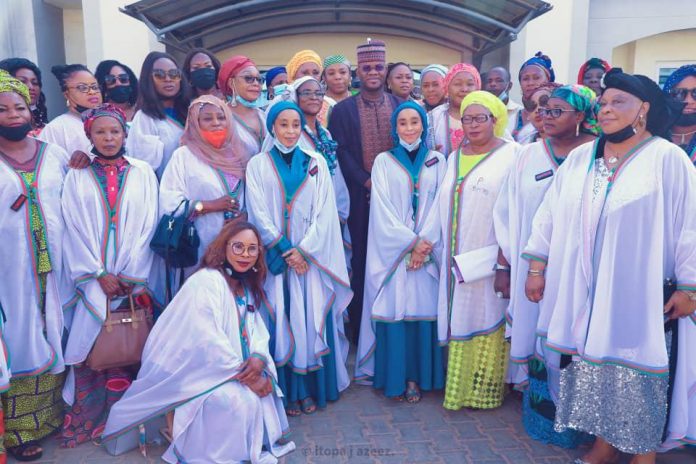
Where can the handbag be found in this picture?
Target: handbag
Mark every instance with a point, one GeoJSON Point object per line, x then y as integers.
{"type": "Point", "coordinates": [122, 337]}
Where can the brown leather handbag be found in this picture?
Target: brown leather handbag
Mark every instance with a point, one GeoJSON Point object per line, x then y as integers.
{"type": "Point", "coordinates": [122, 338]}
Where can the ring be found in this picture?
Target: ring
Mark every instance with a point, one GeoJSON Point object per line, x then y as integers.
{"type": "Point", "coordinates": [499, 294]}
{"type": "Point", "coordinates": [233, 202]}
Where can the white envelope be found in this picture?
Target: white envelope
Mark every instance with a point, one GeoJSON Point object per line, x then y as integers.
{"type": "Point", "coordinates": [475, 264]}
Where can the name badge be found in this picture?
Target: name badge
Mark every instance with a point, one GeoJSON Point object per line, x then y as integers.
{"type": "Point", "coordinates": [544, 175]}
{"type": "Point", "coordinates": [314, 171]}
{"type": "Point", "coordinates": [21, 199]}
{"type": "Point", "coordinates": [432, 162]}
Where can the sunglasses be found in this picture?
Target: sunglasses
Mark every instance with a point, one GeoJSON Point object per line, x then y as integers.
{"type": "Point", "coordinates": [161, 74]}
{"type": "Point", "coordinates": [479, 118]}
{"type": "Point", "coordinates": [311, 94]}
{"type": "Point", "coordinates": [252, 79]}
{"type": "Point", "coordinates": [531, 105]}
{"type": "Point", "coordinates": [110, 79]}
{"type": "Point", "coordinates": [238, 249]}
{"type": "Point", "coordinates": [84, 88]}
{"type": "Point", "coordinates": [366, 68]}
{"type": "Point", "coordinates": [680, 94]}
{"type": "Point", "coordinates": [553, 113]}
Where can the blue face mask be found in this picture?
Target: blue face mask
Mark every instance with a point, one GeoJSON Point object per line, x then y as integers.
{"type": "Point", "coordinates": [409, 146]}
{"type": "Point", "coordinates": [247, 103]}
{"type": "Point", "coordinates": [279, 89]}
{"type": "Point", "coordinates": [503, 96]}
{"type": "Point", "coordinates": [282, 148]}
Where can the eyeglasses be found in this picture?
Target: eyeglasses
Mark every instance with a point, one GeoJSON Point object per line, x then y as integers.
{"type": "Point", "coordinates": [311, 94]}
{"type": "Point", "coordinates": [479, 118]}
{"type": "Point", "coordinates": [680, 94]}
{"type": "Point", "coordinates": [553, 113]}
{"type": "Point", "coordinates": [238, 249]}
{"type": "Point", "coordinates": [84, 88]}
{"type": "Point", "coordinates": [161, 74]}
{"type": "Point", "coordinates": [110, 79]}
{"type": "Point", "coordinates": [366, 68]}
{"type": "Point", "coordinates": [251, 79]}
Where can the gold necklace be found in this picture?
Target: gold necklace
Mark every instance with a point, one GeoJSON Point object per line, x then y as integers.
{"type": "Point", "coordinates": [683, 136]}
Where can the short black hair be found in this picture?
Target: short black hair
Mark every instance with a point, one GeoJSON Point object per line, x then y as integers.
{"type": "Point", "coordinates": [390, 69]}
{"type": "Point", "coordinates": [149, 100]}
{"type": "Point", "coordinates": [12, 65]}
{"type": "Point", "coordinates": [105, 67]}
{"type": "Point", "coordinates": [64, 71]}
{"type": "Point", "coordinates": [189, 56]}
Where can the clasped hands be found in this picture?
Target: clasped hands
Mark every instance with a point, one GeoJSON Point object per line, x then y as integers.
{"type": "Point", "coordinates": [251, 375]}
{"type": "Point", "coordinates": [419, 254]}
{"type": "Point", "coordinates": [296, 261]}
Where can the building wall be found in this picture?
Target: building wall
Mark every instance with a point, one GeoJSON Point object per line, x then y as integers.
{"type": "Point", "coordinates": [647, 55]}
{"type": "Point", "coordinates": [278, 51]}
{"type": "Point", "coordinates": [74, 36]}
{"type": "Point", "coordinates": [50, 51]}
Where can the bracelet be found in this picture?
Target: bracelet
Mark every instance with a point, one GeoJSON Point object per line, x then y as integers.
{"type": "Point", "coordinates": [501, 267]}
{"type": "Point", "coordinates": [536, 273]}
{"type": "Point", "coordinates": [101, 272]}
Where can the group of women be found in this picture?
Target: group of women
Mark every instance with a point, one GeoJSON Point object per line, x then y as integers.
{"type": "Point", "coordinates": [549, 253]}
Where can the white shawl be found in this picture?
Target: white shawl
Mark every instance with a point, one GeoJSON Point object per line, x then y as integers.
{"type": "Point", "coordinates": [68, 132]}
{"type": "Point", "coordinates": [153, 140]}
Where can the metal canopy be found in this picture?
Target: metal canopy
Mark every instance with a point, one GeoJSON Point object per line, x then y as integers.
{"type": "Point", "coordinates": [478, 26]}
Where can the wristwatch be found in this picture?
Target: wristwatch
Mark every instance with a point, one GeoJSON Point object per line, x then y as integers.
{"type": "Point", "coordinates": [198, 206]}
{"type": "Point", "coordinates": [500, 267]}
{"type": "Point", "coordinates": [690, 294]}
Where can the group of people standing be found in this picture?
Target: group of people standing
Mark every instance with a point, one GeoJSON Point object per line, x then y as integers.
{"type": "Point", "coordinates": [462, 241]}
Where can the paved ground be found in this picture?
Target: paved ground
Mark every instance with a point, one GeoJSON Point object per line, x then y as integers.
{"type": "Point", "coordinates": [364, 427]}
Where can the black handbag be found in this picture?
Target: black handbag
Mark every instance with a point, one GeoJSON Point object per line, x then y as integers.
{"type": "Point", "coordinates": [176, 241]}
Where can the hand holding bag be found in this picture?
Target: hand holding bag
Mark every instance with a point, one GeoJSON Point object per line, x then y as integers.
{"type": "Point", "coordinates": [122, 338]}
{"type": "Point", "coordinates": [176, 238]}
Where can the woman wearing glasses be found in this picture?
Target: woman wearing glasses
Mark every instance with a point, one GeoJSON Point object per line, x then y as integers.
{"type": "Point", "coordinates": [570, 120]}
{"type": "Point", "coordinates": [681, 86]}
{"type": "Point", "coordinates": [538, 97]}
{"type": "Point", "coordinates": [291, 201]}
{"type": "Point", "coordinates": [81, 91]}
{"type": "Point", "coordinates": [446, 132]}
{"type": "Point", "coordinates": [616, 222]}
{"type": "Point", "coordinates": [240, 82]}
{"type": "Point", "coordinates": [534, 72]}
{"type": "Point", "coordinates": [163, 104]}
{"type": "Point", "coordinates": [208, 170]}
{"type": "Point", "coordinates": [470, 317]}
{"type": "Point", "coordinates": [207, 361]}
{"type": "Point", "coordinates": [119, 86]}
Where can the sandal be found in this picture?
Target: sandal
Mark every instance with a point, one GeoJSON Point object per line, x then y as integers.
{"type": "Point", "coordinates": [308, 406]}
{"type": "Point", "coordinates": [294, 409]}
{"type": "Point", "coordinates": [412, 395]}
{"type": "Point", "coordinates": [23, 452]}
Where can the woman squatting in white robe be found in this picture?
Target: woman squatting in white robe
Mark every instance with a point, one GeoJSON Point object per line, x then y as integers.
{"type": "Point", "coordinates": [470, 316]}
{"type": "Point", "coordinates": [208, 171]}
{"type": "Point", "coordinates": [291, 200]}
{"type": "Point", "coordinates": [608, 239]}
{"type": "Point", "coordinates": [398, 349]}
{"type": "Point", "coordinates": [110, 211]}
{"type": "Point", "coordinates": [191, 363]}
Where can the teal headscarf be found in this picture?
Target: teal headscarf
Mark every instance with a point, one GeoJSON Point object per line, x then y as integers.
{"type": "Point", "coordinates": [279, 107]}
{"type": "Point", "coordinates": [421, 112]}
{"type": "Point", "coordinates": [584, 100]}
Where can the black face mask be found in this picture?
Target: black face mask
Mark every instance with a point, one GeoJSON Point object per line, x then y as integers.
{"type": "Point", "coordinates": [119, 94]}
{"type": "Point", "coordinates": [623, 134]}
{"type": "Point", "coordinates": [120, 153]}
{"type": "Point", "coordinates": [203, 78]}
{"type": "Point", "coordinates": [240, 276]}
{"type": "Point", "coordinates": [81, 109]}
{"type": "Point", "coordinates": [686, 120]}
{"type": "Point", "coordinates": [16, 133]}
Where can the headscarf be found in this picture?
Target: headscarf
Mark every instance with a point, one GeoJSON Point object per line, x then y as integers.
{"type": "Point", "coordinates": [12, 65]}
{"type": "Point", "coordinates": [439, 69]}
{"type": "Point", "coordinates": [273, 73]}
{"type": "Point", "coordinates": [582, 99]}
{"type": "Point", "coordinates": [230, 158]}
{"type": "Point", "coordinates": [679, 75]}
{"type": "Point", "coordinates": [463, 67]}
{"type": "Point", "coordinates": [11, 84]}
{"type": "Point", "coordinates": [592, 63]}
{"type": "Point", "coordinates": [300, 58]}
{"type": "Point", "coordinates": [105, 109]}
{"type": "Point", "coordinates": [230, 68]}
{"type": "Point", "coordinates": [336, 59]}
{"type": "Point", "coordinates": [492, 104]}
{"type": "Point", "coordinates": [664, 111]}
{"type": "Point", "coordinates": [278, 108]}
{"type": "Point", "coordinates": [421, 112]}
{"type": "Point", "coordinates": [542, 61]}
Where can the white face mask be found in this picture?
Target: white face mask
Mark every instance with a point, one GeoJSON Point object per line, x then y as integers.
{"type": "Point", "coordinates": [282, 148]}
{"type": "Point", "coordinates": [409, 146]}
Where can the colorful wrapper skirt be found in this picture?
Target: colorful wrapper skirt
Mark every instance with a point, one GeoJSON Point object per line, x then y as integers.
{"type": "Point", "coordinates": [33, 408]}
{"type": "Point", "coordinates": [476, 372]}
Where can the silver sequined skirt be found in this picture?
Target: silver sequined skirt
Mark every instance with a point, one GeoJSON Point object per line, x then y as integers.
{"type": "Point", "coordinates": [625, 407]}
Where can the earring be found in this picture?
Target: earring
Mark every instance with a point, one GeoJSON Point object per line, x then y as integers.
{"type": "Point", "coordinates": [67, 103]}
{"type": "Point", "coordinates": [254, 269]}
{"type": "Point", "coordinates": [577, 130]}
